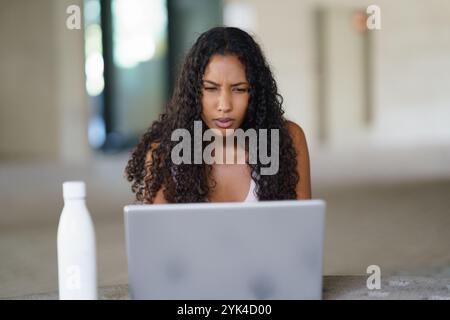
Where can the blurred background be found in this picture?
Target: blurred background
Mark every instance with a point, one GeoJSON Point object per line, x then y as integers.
{"type": "Point", "coordinates": [374, 104]}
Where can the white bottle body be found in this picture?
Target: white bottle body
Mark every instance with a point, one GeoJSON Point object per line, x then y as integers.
{"type": "Point", "coordinates": [76, 245]}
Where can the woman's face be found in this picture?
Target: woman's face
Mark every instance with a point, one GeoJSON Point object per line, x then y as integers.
{"type": "Point", "coordinates": [225, 93]}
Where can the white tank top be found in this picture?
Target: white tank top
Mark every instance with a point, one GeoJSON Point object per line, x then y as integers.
{"type": "Point", "coordinates": [251, 196]}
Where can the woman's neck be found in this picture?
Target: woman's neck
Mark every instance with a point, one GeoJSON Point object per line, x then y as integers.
{"type": "Point", "coordinates": [229, 153]}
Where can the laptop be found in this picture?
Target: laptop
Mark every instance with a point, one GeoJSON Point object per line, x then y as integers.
{"type": "Point", "coordinates": [226, 251]}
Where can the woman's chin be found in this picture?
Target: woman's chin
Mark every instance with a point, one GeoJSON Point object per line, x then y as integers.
{"type": "Point", "coordinates": [224, 132]}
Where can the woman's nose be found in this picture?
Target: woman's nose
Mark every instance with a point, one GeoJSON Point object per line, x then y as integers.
{"type": "Point", "coordinates": [224, 103]}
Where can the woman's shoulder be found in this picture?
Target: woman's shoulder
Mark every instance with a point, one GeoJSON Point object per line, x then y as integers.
{"type": "Point", "coordinates": [299, 141]}
{"type": "Point", "coordinates": [295, 131]}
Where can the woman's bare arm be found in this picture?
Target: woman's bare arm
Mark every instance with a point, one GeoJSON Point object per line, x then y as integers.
{"type": "Point", "coordinates": [303, 168]}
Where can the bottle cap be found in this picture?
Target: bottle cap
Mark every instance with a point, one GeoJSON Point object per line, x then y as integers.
{"type": "Point", "coordinates": [74, 190]}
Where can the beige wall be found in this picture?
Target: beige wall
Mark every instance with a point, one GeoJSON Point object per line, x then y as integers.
{"type": "Point", "coordinates": [28, 116]}
{"type": "Point", "coordinates": [43, 111]}
{"type": "Point", "coordinates": [413, 73]}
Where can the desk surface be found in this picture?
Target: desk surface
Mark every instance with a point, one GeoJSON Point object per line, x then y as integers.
{"type": "Point", "coordinates": [334, 288]}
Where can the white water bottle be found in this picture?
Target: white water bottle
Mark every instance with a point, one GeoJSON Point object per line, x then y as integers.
{"type": "Point", "coordinates": [77, 263]}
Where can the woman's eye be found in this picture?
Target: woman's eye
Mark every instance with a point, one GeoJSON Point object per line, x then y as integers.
{"type": "Point", "coordinates": [241, 90]}
{"type": "Point", "coordinates": [210, 88]}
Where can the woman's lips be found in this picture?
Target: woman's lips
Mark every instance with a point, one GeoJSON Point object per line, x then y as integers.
{"type": "Point", "coordinates": [223, 122]}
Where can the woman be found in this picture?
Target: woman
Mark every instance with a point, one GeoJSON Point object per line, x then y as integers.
{"type": "Point", "coordinates": [225, 83]}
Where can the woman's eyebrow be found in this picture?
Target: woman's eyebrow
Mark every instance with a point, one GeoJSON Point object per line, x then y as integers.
{"type": "Point", "coordinates": [238, 84]}
{"type": "Point", "coordinates": [216, 84]}
{"type": "Point", "coordinates": [212, 82]}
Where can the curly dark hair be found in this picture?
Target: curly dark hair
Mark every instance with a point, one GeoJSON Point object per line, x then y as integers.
{"type": "Point", "coordinates": [187, 183]}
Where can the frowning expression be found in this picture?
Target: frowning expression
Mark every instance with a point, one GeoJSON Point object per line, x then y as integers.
{"type": "Point", "coordinates": [225, 93]}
